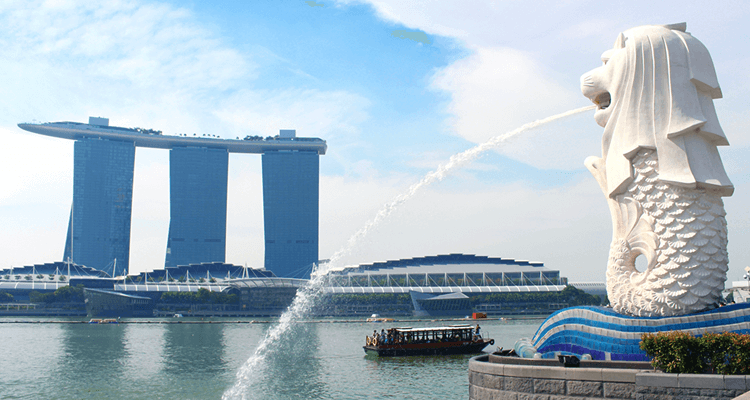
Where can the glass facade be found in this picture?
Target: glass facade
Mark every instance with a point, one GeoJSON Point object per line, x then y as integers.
{"type": "Point", "coordinates": [99, 225]}
{"type": "Point", "coordinates": [198, 206]}
{"type": "Point", "coordinates": [290, 212]}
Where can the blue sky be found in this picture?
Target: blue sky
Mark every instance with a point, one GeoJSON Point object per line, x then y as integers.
{"type": "Point", "coordinates": [395, 87]}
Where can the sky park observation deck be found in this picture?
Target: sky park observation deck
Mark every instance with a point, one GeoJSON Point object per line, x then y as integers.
{"type": "Point", "coordinates": [104, 158]}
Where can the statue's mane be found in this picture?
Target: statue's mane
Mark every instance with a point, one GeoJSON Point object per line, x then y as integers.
{"type": "Point", "coordinates": [665, 86]}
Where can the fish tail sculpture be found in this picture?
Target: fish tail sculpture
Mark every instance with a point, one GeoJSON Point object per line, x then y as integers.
{"type": "Point", "coordinates": [682, 235]}
{"type": "Point", "coordinates": [661, 172]}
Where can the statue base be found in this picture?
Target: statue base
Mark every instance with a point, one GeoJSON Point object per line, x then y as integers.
{"type": "Point", "coordinates": [606, 335]}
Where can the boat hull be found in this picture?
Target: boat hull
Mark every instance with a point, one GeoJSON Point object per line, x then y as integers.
{"type": "Point", "coordinates": [427, 349]}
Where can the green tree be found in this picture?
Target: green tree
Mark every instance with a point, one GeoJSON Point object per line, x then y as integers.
{"type": "Point", "coordinates": [203, 295]}
{"type": "Point", "coordinates": [65, 294]}
{"type": "Point", "coordinates": [36, 297]}
{"type": "Point", "coordinates": [6, 297]}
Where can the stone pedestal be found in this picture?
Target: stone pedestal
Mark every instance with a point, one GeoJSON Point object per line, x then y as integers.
{"type": "Point", "coordinates": [493, 378]}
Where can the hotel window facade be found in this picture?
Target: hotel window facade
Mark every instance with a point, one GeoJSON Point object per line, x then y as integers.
{"type": "Point", "coordinates": [198, 206]}
{"type": "Point", "coordinates": [290, 211]}
{"type": "Point", "coordinates": [99, 224]}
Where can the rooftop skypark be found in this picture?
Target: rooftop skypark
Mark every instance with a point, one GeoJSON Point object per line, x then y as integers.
{"type": "Point", "coordinates": [99, 127]}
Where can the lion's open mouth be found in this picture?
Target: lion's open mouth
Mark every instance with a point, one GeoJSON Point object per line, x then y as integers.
{"type": "Point", "coordinates": [602, 100]}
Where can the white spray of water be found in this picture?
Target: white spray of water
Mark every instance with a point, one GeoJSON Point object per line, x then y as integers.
{"type": "Point", "coordinates": [307, 296]}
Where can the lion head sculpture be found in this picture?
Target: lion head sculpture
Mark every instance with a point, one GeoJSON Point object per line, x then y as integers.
{"type": "Point", "coordinates": [655, 91]}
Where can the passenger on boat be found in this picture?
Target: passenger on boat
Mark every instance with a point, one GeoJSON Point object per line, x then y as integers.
{"type": "Point", "coordinates": [392, 336]}
{"type": "Point", "coordinates": [477, 336]}
{"type": "Point", "coordinates": [382, 336]}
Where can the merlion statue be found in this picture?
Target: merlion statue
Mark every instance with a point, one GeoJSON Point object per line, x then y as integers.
{"type": "Point", "coordinates": [661, 171]}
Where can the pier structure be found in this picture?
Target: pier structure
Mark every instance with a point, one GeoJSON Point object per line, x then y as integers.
{"type": "Point", "coordinates": [104, 158]}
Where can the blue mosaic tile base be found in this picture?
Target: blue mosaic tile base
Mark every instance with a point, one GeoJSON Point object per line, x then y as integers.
{"type": "Point", "coordinates": [607, 335]}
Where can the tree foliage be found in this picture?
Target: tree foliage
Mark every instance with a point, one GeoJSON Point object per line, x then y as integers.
{"type": "Point", "coordinates": [6, 297]}
{"type": "Point", "coordinates": [65, 294]}
{"type": "Point", "coordinates": [727, 353]}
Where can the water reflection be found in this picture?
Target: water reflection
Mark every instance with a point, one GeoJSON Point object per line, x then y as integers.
{"type": "Point", "coordinates": [436, 373]}
{"type": "Point", "coordinates": [144, 346]}
{"type": "Point", "coordinates": [29, 360]}
{"type": "Point", "coordinates": [88, 350]}
{"type": "Point", "coordinates": [199, 346]}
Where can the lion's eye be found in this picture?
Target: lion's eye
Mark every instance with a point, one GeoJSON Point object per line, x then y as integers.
{"type": "Point", "coordinates": [607, 55]}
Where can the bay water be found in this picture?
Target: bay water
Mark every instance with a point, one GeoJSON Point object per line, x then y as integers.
{"type": "Point", "coordinates": [165, 360]}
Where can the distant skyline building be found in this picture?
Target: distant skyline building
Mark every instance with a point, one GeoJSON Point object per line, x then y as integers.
{"type": "Point", "coordinates": [99, 224]}
{"type": "Point", "coordinates": [290, 211]}
{"type": "Point", "coordinates": [100, 218]}
{"type": "Point", "coordinates": [198, 206]}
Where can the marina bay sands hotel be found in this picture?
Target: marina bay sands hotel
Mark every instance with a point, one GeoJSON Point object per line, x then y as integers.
{"type": "Point", "coordinates": [99, 225]}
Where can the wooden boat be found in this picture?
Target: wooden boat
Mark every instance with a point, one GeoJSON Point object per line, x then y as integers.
{"type": "Point", "coordinates": [453, 339]}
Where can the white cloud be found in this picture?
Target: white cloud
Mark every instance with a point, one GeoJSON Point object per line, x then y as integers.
{"type": "Point", "coordinates": [314, 113]}
{"type": "Point", "coordinates": [498, 89]}
{"type": "Point", "coordinates": [419, 14]}
{"type": "Point", "coordinates": [33, 165]}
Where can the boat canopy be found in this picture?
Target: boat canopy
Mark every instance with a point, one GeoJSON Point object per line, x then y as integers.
{"type": "Point", "coordinates": [439, 328]}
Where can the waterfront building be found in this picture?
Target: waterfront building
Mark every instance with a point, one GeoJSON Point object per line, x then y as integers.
{"type": "Point", "coordinates": [204, 272]}
{"type": "Point", "coordinates": [446, 273]}
{"type": "Point", "coordinates": [450, 284]}
{"type": "Point", "coordinates": [443, 285]}
{"type": "Point", "coordinates": [198, 205]}
{"type": "Point", "coordinates": [99, 228]}
{"type": "Point", "coordinates": [290, 212]}
{"type": "Point", "coordinates": [99, 224]}
{"type": "Point", "coordinates": [740, 290]}
{"type": "Point", "coordinates": [109, 304]}
{"type": "Point", "coordinates": [55, 269]}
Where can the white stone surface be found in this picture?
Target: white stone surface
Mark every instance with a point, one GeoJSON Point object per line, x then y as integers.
{"type": "Point", "coordinates": [661, 171]}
